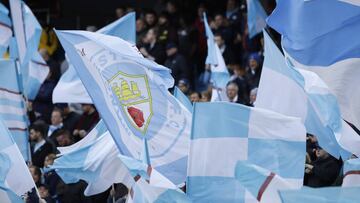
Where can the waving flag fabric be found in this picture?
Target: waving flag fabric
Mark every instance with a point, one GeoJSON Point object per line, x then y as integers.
{"type": "Point", "coordinates": [15, 175]}
{"type": "Point", "coordinates": [5, 29]}
{"type": "Point", "coordinates": [256, 16]}
{"type": "Point", "coordinates": [303, 94]}
{"type": "Point", "coordinates": [219, 74]}
{"type": "Point", "coordinates": [315, 39]}
{"type": "Point", "coordinates": [178, 94]}
{"type": "Point", "coordinates": [70, 89]}
{"type": "Point", "coordinates": [321, 195]}
{"type": "Point", "coordinates": [263, 184]}
{"type": "Point", "coordinates": [131, 95]}
{"type": "Point", "coordinates": [351, 173]}
{"type": "Point", "coordinates": [12, 106]}
{"type": "Point", "coordinates": [226, 133]}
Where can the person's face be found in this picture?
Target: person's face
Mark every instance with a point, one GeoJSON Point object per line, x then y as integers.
{"type": "Point", "coordinates": [34, 136]}
{"type": "Point", "coordinates": [219, 20]}
{"type": "Point", "coordinates": [230, 4]}
{"type": "Point", "coordinates": [162, 20]}
{"type": "Point", "coordinates": [194, 97]}
{"type": "Point", "coordinates": [183, 87]}
{"type": "Point", "coordinates": [35, 176]}
{"type": "Point", "coordinates": [86, 108]}
{"type": "Point", "coordinates": [48, 161]}
{"type": "Point", "coordinates": [253, 64]}
{"type": "Point", "coordinates": [150, 19]}
{"type": "Point", "coordinates": [171, 51]}
{"type": "Point", "coordinates": [43, 192]}
{"type": "Point", "coordinates": [231, 91]}
{"type": "Point", "coordinates": [140, 25]}
{"type": "Point", "coordinates": [62, 140]}
{"type": "Point", "coordinates": [119, 12]}
{"type": "Point", "coordinates": [56, 118]}
{"type": "Point", "coordinates": [170, 7]}
{"type": "Point", "coordinates": [204, 98]}
{"type": "Point", "coordinates": [252, 98]}
{"type": "Point", "coordinates": [320, 153]}
{"type": "Point", "coordinates": [219, 41]}
{"type": "Point", "coordinates": [150, 36]}
{"type": "Point", "coordinates": [200, 11]}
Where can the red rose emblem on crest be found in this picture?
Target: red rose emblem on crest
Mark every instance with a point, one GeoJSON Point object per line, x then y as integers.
{"type": "Point", "coordinates": [137, 115]}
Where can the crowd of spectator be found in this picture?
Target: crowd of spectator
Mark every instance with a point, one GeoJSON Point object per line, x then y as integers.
{"type": "Point", "coordinates": [167, 37]}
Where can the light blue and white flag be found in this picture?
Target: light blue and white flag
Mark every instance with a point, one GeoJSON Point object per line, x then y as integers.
{"type": "Point", "coordinates": [256, 17]}
{"type": "Point", "coordinates": [321, 195]}
{"type": "Point", "coordinates": [16, 7]}
{"type": "Point", "coordinates": [38, 72]}
{"type": "Point", "coordinates": [179, 95]}
{"type": "Point", "coordinates": [315, 39]}
{"type": "Point", "coordinates": [301, 93]}
{"type": "Point", "coordinates": [130, 93]}
{"type": "Point", "coordinates": [226, 133]}
{"type": "Point", "coordinates": [144, 192]}
{"type": "Point", "coordinates": [219, 73]}
{"type": "Point", "coordinates": [351, 173]}
{"type": "Point", "coordinates": [5, 29]}
{"type": "Point", "coordinates": [261, 183]}
{"type": "Point", "coordinates": [95, 162]}
{"type": "Point", "coordinates": [14, 174]}
{"type": "Point", "coordinates": [8, 196]}
{"type": "Point", "coordinates": [12, 106]}
{"type": "Point", "coordinates": [70, 89]}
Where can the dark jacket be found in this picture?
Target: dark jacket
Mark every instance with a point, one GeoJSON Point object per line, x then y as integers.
{"type": "Point", "coordinates": [324, 173]}
{"type": "Point", "coordinates": [157, 51]}
{"type": "Point", "coordinates": [38, 157]}
{"type": "Point", "coordinates": [178, 66]}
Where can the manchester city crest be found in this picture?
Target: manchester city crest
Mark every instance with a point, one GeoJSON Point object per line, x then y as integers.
{"type": "Point", "coordinates": [133, 94]}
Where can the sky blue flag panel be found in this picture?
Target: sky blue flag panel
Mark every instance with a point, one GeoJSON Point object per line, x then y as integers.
{"type": "Point", "coordinates": [179, 95]}
{"type": "Point", "coordinates": [314, 104]}
{"type": "Point", "coordinates": [5, 29]}
{"type": "Point", "coordinates": [226, 133]}
{"type": "Point", "coordinates": [12, 105]}
{"type": "Point", "coordinates": [315, 39]}
{"type": "Point", "coordinates": [321, 195]}
{"type": "Point", "coordinates": [256, 17]}
{"type": "Point", "coordinates": [131, 95]}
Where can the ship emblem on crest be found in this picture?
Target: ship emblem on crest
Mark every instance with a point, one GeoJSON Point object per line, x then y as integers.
{"type": "Point", "coordinates": [133, 94]}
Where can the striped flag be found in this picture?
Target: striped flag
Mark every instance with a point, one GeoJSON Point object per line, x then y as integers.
{"type": "Point", "coordinates": [315, 39]}
{"type": "Point", "coordinates": [14, 174]}
{"type": "Point", "coordinates": [351, 173]}
{"type": "Point", "coordinates": [301, 93]}
{"type": "Point", "coordinates": [226, 133]}
{"type": "Point", "coordinates": [12, 106]}
{"type": "Point", "coordinates": [256, 17]}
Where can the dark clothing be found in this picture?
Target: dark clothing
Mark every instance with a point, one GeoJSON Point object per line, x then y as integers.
{"type": "Point", "coordinates": [253, 79]}
{"type": "Point", "coordinates": [71, 193]}
{"type": "Point", "coordinates": [38, 157]}
{"type": "Point", "coordinates": [86, 122]}
{"type": "Point", "coordinates": [178, 66]}
{"type": "Point", "coordinates": [229, 55]}
{"type": "Point", "coordinates": [43, 101]}
{"type": "Point", "coordinates": [71, 120]}
{"type": "Point", "coordinates": [324, 173]}
{"type": "Point", "coordinates": [157, 51]}
{"type": "Point", "coordinates": [243, 93]}
{"type": "Point", "coordinates": [52, 179]}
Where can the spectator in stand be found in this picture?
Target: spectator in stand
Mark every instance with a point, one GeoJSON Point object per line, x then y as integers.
{"type": "Point", "coordinates": [63, 138]}
{"type": "Point", "coordinates": [176, 63]}
{"type": "Point", "coordinates": [44, 194]}
{"type": "Point", "coordinates": [195, 97]}
{"type": "Point", "coordinates": [56, 122]}
{"type": "Point", "coordinates": [254, 70]}
{"type": "Point", "coordinates": [232, 92]}
{"type": "Point", "coordinates": [184, 86]}
{"type": "Point", "coordinates": [220, 25]}
{"type": "Point", "coordinates": [36, 175]}
{"type": "Point", "coordinates": [234, 15]}
{"type": "Point", "coordinates": [140, 30]}
{"type": "Point", "coordinates": [53, 65]}
{"type": "Point", "coordinates": [152, 49]}
{"type": "Point", "coordinates": [48, 41]}
{"type": "Point", "coordinates": [172, 10]}
{"type": "Point", "coordinates": [51, 178]}
{"type": "Point", "coordinates": [40, 147]}
{"type": "Point", "coordinates": [70, 118]}
{"type": "Point", "coordinates": [239, 78]}
{"type": "Point", "coordinates": [323, 171]}
{"type": "Point", "coordinates": [167, 31]}
{"type": "Point", "coordinates": [200, 40]}
{"type": "Point", "coordinates": [150, 19]}
{"type": "Point", "coordinates": [86, 122]}
{"type": "Point", "coordinates": [205, 96]}
{"type": "Point", "coordinates": [119, 12]}
{"type": "Point", "coordinates": [42, 105]}
{"type": "Point", "coordinates": [253, 94]}
{"type": "Point", "coordinates": [226, 51]}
